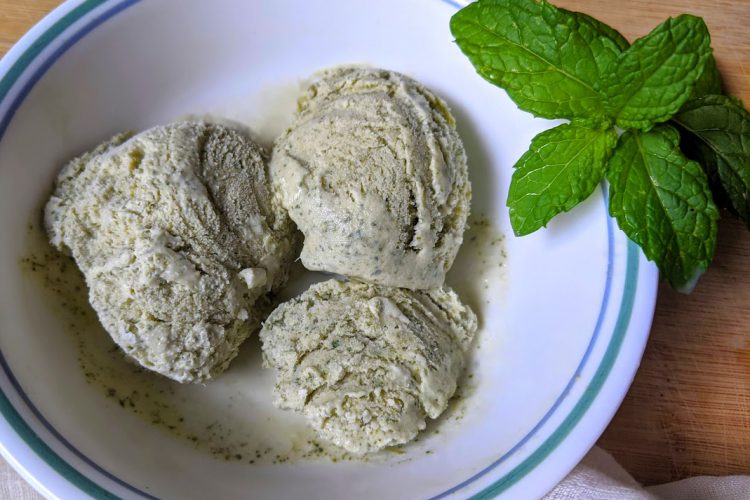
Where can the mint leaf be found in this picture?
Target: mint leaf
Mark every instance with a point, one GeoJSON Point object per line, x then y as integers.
{"type": "Point", "coordinates": [543, 57]}
{"type": "Point", "coordinates": [653, 78]}
{"type": "Point", "coordinates": [602, 29]}
{"type": "Point", "coordinates": [605, 42]}
{"type": "Point", "coordinates": [561, 168]}
{"type": "Point", "coordinates": [709, 82]}
{"type": "Point", "coordinates": [717, 134]}
{"type": "Point", "coordinates": [662, 201]}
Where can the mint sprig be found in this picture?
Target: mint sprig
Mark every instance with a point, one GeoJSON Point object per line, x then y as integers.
{"type": "Point", "coordinates": [556, 63]}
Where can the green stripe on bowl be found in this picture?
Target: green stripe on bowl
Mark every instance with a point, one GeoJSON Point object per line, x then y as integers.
{"type": "Point", "coordinates": [14, 419]}
{"type": "Point", "coordinates": [42, 42]}
{"type": "Point", "coordinates": [602, 372]}
{"type": "Point", "coordinates": [50, 457]}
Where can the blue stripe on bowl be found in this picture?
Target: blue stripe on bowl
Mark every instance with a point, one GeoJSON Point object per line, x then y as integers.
{"type": "Point", "coordinates": [589, 395]}
{"type": "Point", "coordinates": [515, 473]}
{"type": "Point", "coordinates": [13, 75]}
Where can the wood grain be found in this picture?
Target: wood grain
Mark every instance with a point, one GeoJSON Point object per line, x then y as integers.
{"type": "Point", "coordinates": [17, 16]}
{"type": "Point", "coordinates": [688, 411]}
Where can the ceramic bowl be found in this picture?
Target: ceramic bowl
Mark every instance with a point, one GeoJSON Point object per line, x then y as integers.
{"type": "Point", "coordinates": [564, 313]}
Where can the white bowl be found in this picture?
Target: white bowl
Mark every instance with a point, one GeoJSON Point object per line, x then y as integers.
{"type": "Point", "coordinates": [564, 319]}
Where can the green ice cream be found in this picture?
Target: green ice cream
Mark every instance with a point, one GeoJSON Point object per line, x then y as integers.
{"type": "Point", "coordinates": [367, 364]}
{"type": "Point", "coordinates": [179, 238]}
{"type": "Point", "coordinates": [374, 174]}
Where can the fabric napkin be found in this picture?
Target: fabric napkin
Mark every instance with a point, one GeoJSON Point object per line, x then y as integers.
{"type": "Point", "coordinates": [600, 477]}
{"type": "Point", "coordinates": [13, 486]}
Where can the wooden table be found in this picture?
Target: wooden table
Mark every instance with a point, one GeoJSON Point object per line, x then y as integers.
{"type": "Point", "coordinates": [688, 411]}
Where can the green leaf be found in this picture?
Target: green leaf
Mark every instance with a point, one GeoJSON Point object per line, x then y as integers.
{"type": "Point", "coordinates": [709, 82]}
{"type": "Point", "coordinates": [662, 201]}
{"type": "Point", "coordinates": [602, 29]}
{"type": "Point", "coordinates": [546, 59]}
{"type": "Point", "coordinates": [561, 169]}
{"type": "Point", "coordinates": [653, 78]}
{"type": "Point", "coordinates": [717, 134]}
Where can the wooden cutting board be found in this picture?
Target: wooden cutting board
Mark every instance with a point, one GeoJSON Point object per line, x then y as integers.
{"type": "Point", "coordinates": [688, 411]}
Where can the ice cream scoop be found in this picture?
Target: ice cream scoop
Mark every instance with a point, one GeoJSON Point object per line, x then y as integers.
{"type": "Point", "coordinates": [374, 174]}
{"type": "Point", "coordinates": [179, 238]}
{"type": "Point", "coordinates": [367, 364]}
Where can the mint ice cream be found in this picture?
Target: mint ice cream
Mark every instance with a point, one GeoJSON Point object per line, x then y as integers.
{"type": "Point", "coordinates": [374, 174]}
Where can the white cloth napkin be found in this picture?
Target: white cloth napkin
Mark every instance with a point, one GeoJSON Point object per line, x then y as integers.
{"type": "Point", "coordinates": [600, 477]}
{"type": "Point", "coordinates": [597, 477]}
{"type": "Point", "coordinates": [13, 486]}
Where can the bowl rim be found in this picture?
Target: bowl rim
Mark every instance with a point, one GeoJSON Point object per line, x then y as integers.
{"type": "Point", "coordinates": [23, 66]}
